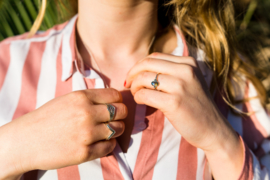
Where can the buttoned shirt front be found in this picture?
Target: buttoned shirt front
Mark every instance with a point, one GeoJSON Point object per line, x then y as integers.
{"type": "Point", "coordinates": [36, 70]}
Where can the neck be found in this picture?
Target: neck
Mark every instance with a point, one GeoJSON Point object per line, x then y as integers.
{"type": "Point", "coordinates": [118, 28]}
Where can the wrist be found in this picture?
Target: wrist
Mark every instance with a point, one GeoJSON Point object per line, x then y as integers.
{"type": "Point", "coordinates": [226, 155]}
{"type": "Point", "coordinates": [11, 152]}
{"type": "Point", "coordinates": [8, 169]}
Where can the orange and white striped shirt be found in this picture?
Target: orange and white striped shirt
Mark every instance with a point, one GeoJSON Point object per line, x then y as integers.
{"type": "Point", "coordinates": [34, 71]}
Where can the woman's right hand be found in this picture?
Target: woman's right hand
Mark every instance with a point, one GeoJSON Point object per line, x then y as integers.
{"type": "Point", "coordinates": [66, 131]}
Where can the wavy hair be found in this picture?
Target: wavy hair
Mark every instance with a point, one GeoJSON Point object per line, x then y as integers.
{"type": "Point", "coordinates": [208, 25]}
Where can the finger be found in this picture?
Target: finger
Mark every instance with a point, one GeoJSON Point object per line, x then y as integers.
{"type": "Point", "coordinates": [156, 99]}
{"type": "Point", "coordinates": [100, 149]}
{"type": "Point", "coordinates": [154, 65]}
{"type": "Point", "coordinates": [166, 83]}
{"type": "Point", "coordinates": [102, 132]}
{"type": "Point", "coordinates": [101, 96]}
{"type": "Point", "coordinates": [102, 114]}
{"type": "Point", "coordinates": [177, 59]}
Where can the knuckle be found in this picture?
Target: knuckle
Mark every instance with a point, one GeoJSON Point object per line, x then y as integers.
{"type": "Point", "coordinates": [123, 110]}
{"type": "Point", "coordinates": [189, 71]}
{"type": "Point", "coordinates": [155, 54]}
{"type": "Point", "coordinates": [109, 146]}
{"type": "Point", "coordinates": [174, 102]}
{"type": "Point", "coordinates": [180, 85]}
{"type": "Point", "coordinates": [85, 113]}
{"type": "Point", "coordinates": [84, 154]}
{"type": "Point", "coordinates": [140, 95]}
{"type": "Point", "coordinates": [116, 94]}
{"type": "Point", "coordinates": [141, 76]}
{"type": "Point", "coordinates": [147, 61]}
{"type": "Point", "coordinates": [87, 135]}
{"type": "Point", "coordinates": [78, 95]}
{"type": "Point", "coordinates": [123, 127]}
{"type": "Point", "coordinates": [192, 59]}
{"type": "Point", "coordinates": [145, 75]}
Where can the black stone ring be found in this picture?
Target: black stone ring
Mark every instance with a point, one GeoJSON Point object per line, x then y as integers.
{"type": "Point", "coordinates": [155, 83]}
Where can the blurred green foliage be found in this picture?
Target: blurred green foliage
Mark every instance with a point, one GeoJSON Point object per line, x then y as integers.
{"type": "Point", "coordinates": [253, 35]}
{"type": "Point", "coordinates": [17, 16]}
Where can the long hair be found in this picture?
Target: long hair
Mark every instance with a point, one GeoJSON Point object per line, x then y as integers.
{"type": "Point", "coordinates": [208, 25]}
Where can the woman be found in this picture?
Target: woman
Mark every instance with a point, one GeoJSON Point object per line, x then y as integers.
{"type": "Point", "coordinates": [166, 125]}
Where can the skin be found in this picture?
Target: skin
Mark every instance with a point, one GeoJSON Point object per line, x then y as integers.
{"type": "Point", "coordinates": [128, 26]}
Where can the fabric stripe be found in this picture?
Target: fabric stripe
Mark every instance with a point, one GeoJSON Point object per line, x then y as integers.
{"type": "Point", "coordinates": [91, 170]}
{"type": "Point", "coordinates": [253, 132]}
{"type": "Point", "coordinates": [99, 84]}
{"type": "Point", "coordinates": [262, 120]}
{"type": "Point", "coordinates": [187, 161]}
{"type": "Point", "coordinates": [68, 49]}
{"type": "Point", "coordinates": [71, 172]}
{"type": "Point", "coordinates": [167, 162]}
{"type": "Point", "coordinates": [265, 161]}
{"type": "Point", "coordinates": [236, 120]}
{"type": "Point", "coordinates": [78, 81]}
{"type": "Point", "coordinates": [4, 61]}
{"type": "Point", "coordinates": [136, 137]}
{"type": "Point", "coordinates": [266, 145]}
{"type": "Point", "coordinates": [62, 87]}
{"type": "Point", "coordinates": [110, 168]}
{"type": "Point", "coordinates": [48, 175]}
{"type": "Point", "coordinates": [248, 168]}
{"type": "Point", "coordinates": [48, 76]}
{"type": "Point", "coordinates": [10, 92]}
{"type": "Point", "coordinates": [150, 144]}
{"type": "Point", "coordinates": [207, 175]}
{"type": "Point", "coordinates": [200, 164]}
{"type": "Point", "coordinates": [30, 77]}
{"type": "Point", "coordinates": [90, 83]}
{"type": "Point", "coordinates": [125, 171]}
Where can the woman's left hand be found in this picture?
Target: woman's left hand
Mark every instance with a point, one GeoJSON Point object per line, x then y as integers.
{"type": "Point", "coordinates": [183, 96]}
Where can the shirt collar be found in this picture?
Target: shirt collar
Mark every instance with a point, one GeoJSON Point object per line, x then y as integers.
{"type": "Point", "coordinates": [68, 49]}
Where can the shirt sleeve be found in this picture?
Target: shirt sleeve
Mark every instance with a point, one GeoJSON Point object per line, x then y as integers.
{"type": "Point", "coordinates": [255, 136]}
{"type": "Point", "coordinates": [252, 167]}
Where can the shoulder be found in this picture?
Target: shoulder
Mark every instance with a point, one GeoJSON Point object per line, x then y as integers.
{"type": "Point", "coordinates": [23, 41]}
{"type": "Point", "coordinates": [20, 51]}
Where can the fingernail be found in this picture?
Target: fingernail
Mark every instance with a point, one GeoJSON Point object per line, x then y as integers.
{"type": "Point", "coordinates": [125, 83]}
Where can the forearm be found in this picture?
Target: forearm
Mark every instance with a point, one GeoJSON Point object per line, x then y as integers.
{"type": "Point", "coordinates": [226, 159]}
{"type": "Point", "coordinates": [11, 167]}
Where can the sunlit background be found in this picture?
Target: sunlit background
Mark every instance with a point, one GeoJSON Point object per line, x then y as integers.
{"type": "Point", "coordinates": [252, 19]}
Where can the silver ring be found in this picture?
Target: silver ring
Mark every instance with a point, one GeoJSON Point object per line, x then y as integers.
{"type": "Point", "coordinates": [111, 110]}
{"type": "Point", "coordinates": [111, 129]}
{"type": "Point", "coordinates": [155, 83]}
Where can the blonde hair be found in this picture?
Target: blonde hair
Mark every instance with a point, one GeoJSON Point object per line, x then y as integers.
{"type": "Point", "coordinates": [208, 25]}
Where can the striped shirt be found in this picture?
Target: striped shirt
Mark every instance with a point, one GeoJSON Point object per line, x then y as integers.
{"type": "Point", "coordinates": [36, 70]}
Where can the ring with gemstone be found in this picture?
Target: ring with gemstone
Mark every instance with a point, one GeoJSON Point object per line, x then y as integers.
{"type": "Point", "coordinates": [155, 83]}
{"type": "Point", "coordinates": [111, 110]}
{"type": "Point", "coordinates": [112, 130]}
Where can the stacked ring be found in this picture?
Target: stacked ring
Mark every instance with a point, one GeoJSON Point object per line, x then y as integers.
{"type": "Point", "coordinates": [111, 129]}
{"type": "Point", "coordinates": [111, 110]}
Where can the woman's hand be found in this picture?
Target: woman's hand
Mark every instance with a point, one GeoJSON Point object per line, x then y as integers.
{"type": "Point", "coordinates": [183, 96]}
{"type": "Point", "coordinates": [66, 131]}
